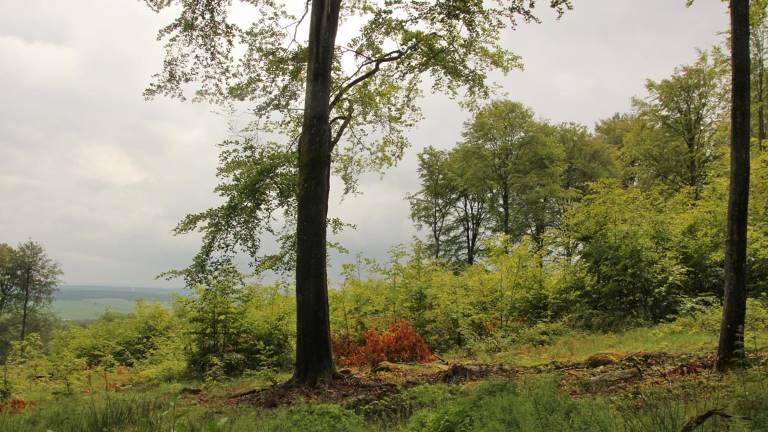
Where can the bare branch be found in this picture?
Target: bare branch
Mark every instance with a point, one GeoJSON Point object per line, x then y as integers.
{"type": "Point", "coordinates": [297, 24]}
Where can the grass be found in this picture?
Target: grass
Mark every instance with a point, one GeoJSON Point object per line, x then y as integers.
{"type": "Point", "coordinates": [531, 406]}
{"type": "Point", "coordinates": [688, 334]}
{"type": "Point", "coordinates": [576, 347]}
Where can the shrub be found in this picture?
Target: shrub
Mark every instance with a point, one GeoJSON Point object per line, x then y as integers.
{"type": "Point", "coordinates": [399, 344]}
{"type": "Point", "coordinates": [629, 271]}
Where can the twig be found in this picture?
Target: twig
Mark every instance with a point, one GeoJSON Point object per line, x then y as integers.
{"type": "Point", "coordinates": [440, 359]}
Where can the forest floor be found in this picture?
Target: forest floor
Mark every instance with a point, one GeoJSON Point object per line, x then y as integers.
{"type": "Point", "coordinates": [577, 381]}
{"type": "Point", "coordinates": [603, 374]}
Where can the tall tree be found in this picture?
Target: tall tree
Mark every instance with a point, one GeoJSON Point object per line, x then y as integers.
{"type": "Point", "coordinates": [683, 111]}
{"type": "Point", "coordinates": [37, 277]}
{"type": "Point", "coordinates": [500, 131]}
{"type": "Point", "coordinates": [522, 165]}
{"type": "Point", "coordinates": [432, 206]}
{"type": "Point", "coordinates": [469, 173]}
{"type": "Point", "coordinates": [731, 346]}
{"type": "Point", "coordinates": [347, 103]}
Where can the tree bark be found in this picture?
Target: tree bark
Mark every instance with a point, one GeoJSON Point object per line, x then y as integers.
{"type": "Point", "coordinates": [731, 347]}
{"type": "Point", "coordinates": [314, 361]}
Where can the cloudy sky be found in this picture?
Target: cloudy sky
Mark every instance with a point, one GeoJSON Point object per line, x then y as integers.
{"type": "Point", "coordinates": [100, 176]}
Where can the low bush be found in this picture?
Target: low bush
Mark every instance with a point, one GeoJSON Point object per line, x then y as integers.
{"type": "Point", "coordinates": [399, 344]}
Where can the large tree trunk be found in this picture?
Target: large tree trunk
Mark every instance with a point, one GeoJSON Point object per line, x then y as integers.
{"type": "Point", "coordinates": [314, 361]}
{"type": "Point", "coordinates": [731, 348]}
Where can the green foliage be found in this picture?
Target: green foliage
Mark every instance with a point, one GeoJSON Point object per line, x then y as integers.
{"type": "Point", "coordinates": [109, 413]}
{"type": "Point", "coordinates": [125, 339]}
{"type": "Point", "coordinates": [685, 112]}
{"type": "Point", "coordinates": [234, 328]}
{"type": "Point", "coordinates": [508, 177]}
{"type": "Point", "coordinates": [627, 268]}
{"type": "Point", "coordinates": [482, 306]}
{"type": "Point", "coordinates": [433, 206]}
{"type": "Point", "coordinates": [28, 280]}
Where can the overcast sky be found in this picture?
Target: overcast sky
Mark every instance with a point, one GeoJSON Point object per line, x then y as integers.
{"type": "Point", "coordinates": [100, 176]}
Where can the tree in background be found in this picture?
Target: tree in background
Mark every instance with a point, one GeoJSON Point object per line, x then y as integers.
{"type": "Point", "coordinates": [731, 347]}
{"type": "Point", "coordinates": [470, 177]}
{"type": "Point", "coordinates": [586, 158]}
{"type": "Point", "coordinates": [615, 131]}
{"type": "Point", "coordinates": [500, 132]}
{"type": "Point", "coordinates": [332, 100]}
{"type": "Point", "coordinates": [522, 163]}
{"type": "Point", "coordinates": [758, 18]}
{"type": "Point", "coordinates": [37, 277]}
{"type": "Point", "coordinates": [433, 206]}
{"type": "Point", "coordinates": [28, 280]}
{"type": "Point", "coordinates": [683, 110]}
{"type": "Point", "coordinates": [507, 176]}
{"type": "Point", "coordinates": [8, 286]}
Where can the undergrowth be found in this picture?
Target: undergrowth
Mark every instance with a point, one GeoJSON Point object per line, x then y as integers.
{"type": "Point", "coordinates": [534, 405]}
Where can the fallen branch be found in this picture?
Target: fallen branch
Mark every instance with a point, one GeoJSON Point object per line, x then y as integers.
{"type": "Point", "coordinates": [699, 420]}
{"type": "Point", "coordinates": [440, 359]}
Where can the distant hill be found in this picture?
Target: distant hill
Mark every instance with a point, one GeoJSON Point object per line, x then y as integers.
{"type": "Point", "coordinates": [87, 302]}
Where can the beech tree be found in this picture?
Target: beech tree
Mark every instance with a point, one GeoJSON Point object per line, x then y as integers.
{"type": "Point", "coordinates": [344, 106]}
{"type": "Point", "coordinates": [731, 346]}
{"type": "Point", "coordinates": [684, 110]}
{"type": "Point", "coordinates": [433, 205]}
{"type": "Point", "coordinates": [500, 132]}
{"type": "Point", "coordinates": [524, 167]}
{"type": "Point", "coordinates": [469, 175]}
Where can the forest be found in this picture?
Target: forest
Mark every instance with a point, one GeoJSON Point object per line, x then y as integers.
{"type": "Point", "coordinates": [606, 277]}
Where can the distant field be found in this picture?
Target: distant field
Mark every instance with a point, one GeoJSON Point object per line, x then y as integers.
{"type": "Point", "coordinates": [88, 302]}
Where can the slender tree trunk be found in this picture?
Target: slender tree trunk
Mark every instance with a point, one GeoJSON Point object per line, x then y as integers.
{"type": "Point", "coordinates": [693, 169]}
{"type": "Point", "coordinates": [437, 227]}
{"type": "Point", "coordinates": [25, 306]}
{"type": "Point", "coordinates": [471, 250]}
{"type": "Point", "coordinates": [730, 350]}
{"type": "Point", "coordinates": [761, 99]}
{"type": "Point", "coordinates": [437, 245]}
{"type": "Point", "coordinates": [314, 361]}
{"type": "Point", "coordinates": [505, 204]}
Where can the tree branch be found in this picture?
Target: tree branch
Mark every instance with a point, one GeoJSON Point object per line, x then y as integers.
{"type": "Point", "coordinates": [386, 58]}
{"type": "Point", "coordinates": [345, 120]}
